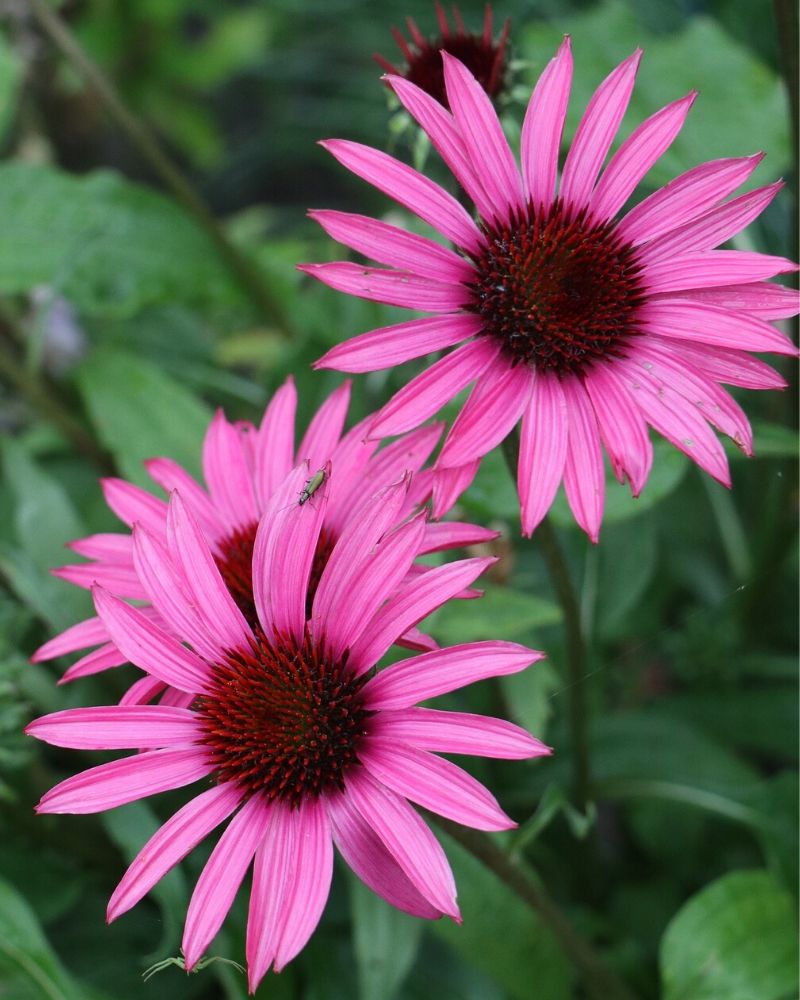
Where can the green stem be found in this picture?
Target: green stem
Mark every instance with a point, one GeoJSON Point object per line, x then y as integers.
{"type": "Point", "coordinates": [145, 141]}
{"type": "Point", "coordinates": [600, 982]}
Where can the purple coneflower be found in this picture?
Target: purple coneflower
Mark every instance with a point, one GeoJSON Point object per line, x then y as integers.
{"type": "Point", "coordinates": [300, 741]}
{"type": "Point", "coordinates": [586, 326]}
{"type": "Point", "coordinates": [242, 466]}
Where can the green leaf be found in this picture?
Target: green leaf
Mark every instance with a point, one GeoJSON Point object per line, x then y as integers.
{"type": "Point", "coordinates": [628, 558]}
{"type": "Point", "coordinates": [500, 613]}
{"type": "Point", "coordinates": [385, 943]}
{"type": "Point", "coordinates": [500, 935]}
{"type": "Point", "coordinates": [10, 76]}
{"type": "Point", "coordinates": [734, 940]}
{"type": "Point", "coordinates": [139, 412]}
{"type": "Point", "coordinates": [109, 246]}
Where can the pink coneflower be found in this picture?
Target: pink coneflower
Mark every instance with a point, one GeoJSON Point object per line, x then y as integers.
{"type": "Point", "coordinates": [587, 326]}
{"type": "Point", "coordinates": [242, 465]}
{"type": "Point", "coordinates": [481, 54]}
{"type": "Point", "coordinates": [304, 743]}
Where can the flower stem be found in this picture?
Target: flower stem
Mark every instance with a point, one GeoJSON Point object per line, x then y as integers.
{"type": "Point", "coordinates": [600, 981]}
{"type": "Point", "coordinates": [146, 143]}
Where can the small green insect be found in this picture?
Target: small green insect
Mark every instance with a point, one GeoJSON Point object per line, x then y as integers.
{"type": "Point", "coordinates": [181, 964]}
{"type": "Point", "coordinates": [312, 485]}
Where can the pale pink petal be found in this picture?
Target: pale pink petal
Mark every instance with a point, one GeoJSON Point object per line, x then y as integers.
{"type": "Point", "coordinates": [86, 633]}
{"type": "Point", "coordinates": [143, 691]}
{"type": "Point", "coordinates": [622, 427]}
{"type": "Point", "coordinates": [274, 862]}
{"type": "Point", "coordinates": [395, 288]}
{"type": "Point", "coordinates": [114, 728]}
{"type": "Point", "coordinates": [392, 345]}
{"type": "Point", "coordinates": [226, 473]}
{"type": "Point", "coordinates": [712, 228]}
{"type": "Point", "coordinates": [543, 126]}
{"type": "Point", "coordinates": [414, 601]}
{"type": "Point", "coordinates": [395, 247]}
{"type": "Point", "coordinates": [542, 450]}
{"type": "Point", "coordinates": [418, 678]}
{"type": "Point", "coordinates": [171, 843]}
{"type": "Point", "coordinates": [442, 535]}
{"type": "Point", "coordinates": [104, 658]}
{"type": "Point", "coordinates": [733, 367]}
{"type": "Point", "coordinates": [220, 879]}
{"type": "Point", "coordinates": [131, 504]}
{"type": "Point", "coordinates": [412, 638]}
{"type": "Point", "coordinates": [433, 783]}
{"type": "Point", "coordinates": [584, 475]}
{"type": "Point", "coordinates": [121, 580]}
{"type": "Point", "coordinates": [274, 457]}
{"type": "Point", "coordinates": [449, 484]}
{"type": "Point", "coordinates": [426, 199]}
{"type": "Point", "coordinates": [635, 157]}
{"type": "Point", "coordinates": [108, 546]}
{"type": "Point", "coordinates": [213, 599]}
{"type": "Point", "coordinates": [171, 476]}
{"type": "Point", "coordinates": [685, 197]}
{"type": "Point", "coordinates": [705, 324]}
{"type": "Point", "coordinates": [283, 554]}
{"type": "Point", "coordinates": [493, 408]}
{"type": "Point", "coordinates": [477, 121]}
{"type": "Point", "coordinates": [110, 785]}
{"type": "Point", "coordinates": [406, 837]}
{"type": "Point", "coordinates": [350, 458]}
{"type": "Point", "coordinates": [761, 298]}
{"type": "Point", "coordinates": [596, 132]}
{"type": "Point", "coordinates": [459, 732]}
{"type": "Point", "coordinates": [371, 861]}
{"type": "Point", "coordinates": [429, 391]}
{"type": "Point", "coordinates": [325, 428]}
{"type": "Point", "coordinates": [150, 647]}
{"type": "Point", "coordinates": [712, 267]}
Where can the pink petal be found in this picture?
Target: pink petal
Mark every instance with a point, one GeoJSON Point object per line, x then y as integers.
{"type": "Point", "coordinates": [542, 450]}
{"type": "Point", "coordinates": [635, 157]}
{"type": "Point", "coordinates": [143, 691]}
{"type": "Point", "coordinates": [433, 783]}
{"type": "Point", "coordinates": [220, 879]}
{"type": "Point", "coordinates": [274, 863]}
{"type": "Point", "coordinates": [274, 458]}
{"type": "Point", "coordinates": [104, 658]}
{"type": "Point", "coordinates": [371, 861]}
{"type": "Point", "coordinates": [283, 554]}
{"type": "Point", "coordinates": [110, 785]}
{"type": "Point", "coordinates": [418, 678]}
{"type": "Point", "coordinates": [406, 837]}
{"type": "Point", "coordinates": [393, 345]}
{"type": "Point", "coordinates": [493, 408]}
{"type": "Point", "coordinates": [226, 472]}
{"type": "Point", "coordinates": [705, 324]}
{"type": "Point", "coordinates": [395, 288]}
{"type": "Point", "coordinates": [596, 132]}
{"type": "Point", "coordinates": [86, 633]}
{"type": "Point", "coordinates": [712, 228]}
{"type": "Point", "coordinates": [395, 247]}
{"type": "Point", "coordinates": [121, 580]}
{"type": "Point", "coordinates": [150, 647]}
{"type": "Point", "coordinates": [115, 728]}
{"type": "Point", "coordinates": [131, 504]}
{"type": "Point", "coordinates": [584, 476]}
{"type": "Point", "coordinates": [350, 458]}
{"type": "Point", "coordinates": [543, 126]}
{"type": "Point", "coordinates": [325, 428]}
{"type": "Point", "coordinates": [686, 197]}
{"type": "Point", "coordinates": [460, 732]}
{"type": "Point", "coordinates": [413, 602]}
{"type": "Point", "coordinates": [763, 299]}
{"type": "Point", "coordinates": [171, 843]}
{"type": "Point", "coordinates": [108, 546]}
{"type": "Point", "coordinates": [712, 267]}
{"type": "Point", "coordinates": [443, 535]}
{"type": "Point", "coordinates": [213, 599]}
{"type": "Point", "coordinates": [424, 395]}
{"type": "Point", "coordinates": [421, 196]}
{"type": "Point", "coordinates": [732, 367]}
{"type": "Point", "coordinates": [478, 123]}
{"type": "Point", "coordinates": [171, 476]}
{"type": "Point", "coordinates": [622, 427]}
{"type": "Point", "coordinates": [449, 484]}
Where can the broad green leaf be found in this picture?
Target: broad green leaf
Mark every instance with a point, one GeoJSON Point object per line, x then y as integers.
{"type": "Point", "coordinates": [500, 935]}
{"type": "Point", "coordinates": [139, 412]}
{"type": "Point", "coordinates": [502, 613]}
{"type": "Point", "coordinates": [627, 559]}
{"type": "Point", "coordinates": [109, 246]}
{"type": "Point", "coordinates": [735, 940]}
{"type": "Point", "coordinates": [10, 75]}
{"type": "Point", "coordinates": [772, 441]}
{"type": "Point", "coordinates": [529, 695]}
{"type": "Point", "coordinates": [385, 942]}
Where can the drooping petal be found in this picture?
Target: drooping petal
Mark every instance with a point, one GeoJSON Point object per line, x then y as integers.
{"type": "Point", "coordinates": [143, 691]}
{"type": "Point", "coordinates": [274, 457]}
{"type": "Point", "coordinates": [403, 684]}
{"type": "Point", "coordinates": [171, 476]}
{"type": "Point", "coordinates": [442, 535]}
{"type": "Point", "coordinates": [325, 428]}
{"type": "Point", "coordinates": [103, 658]}
{"type": "Point", "coordinates": [171, 843]}
{"type": "Point", "coordinates": [220, 879]}
{"type": "Point", "coordinates": [110, 785]}
{"type": "Point", "coordinates": [132, 504]}
{"type": "Point", "coordinates": [706, 268]}
{"type": "Point", "coordinates": [272, 869]}
{"type": "Point", "coordinates": [698, 322]}
{"type": "Point", "coordinates": [395, 288]}
{"type": "Point", "coordinates": [596, 132]}
{"type": "Point", "coordinates": [584, 476]}
{"type": "Point", "coordinates": [433, 783]}
{"type": "Point", "coordinates": [543, 126]}
{"type": "Point", "coordinates": [109, 546]}
{"type": "Point", "coordinates": [118, 579]}
{"type": "Point", "coordinates": [622, 427]}
{"type": "Point", "coordinates": [542, 450]}
{"type": "Point", "coordinates": [449, 484]}
{"type": "Point", "coordinates": [460, 732]}
{"type": "Point", "coordinates": [86, 633]}
{"type": "Point", "coordinates": [115, 728]}
{"type": "Point", "coordinates": [227, 474]}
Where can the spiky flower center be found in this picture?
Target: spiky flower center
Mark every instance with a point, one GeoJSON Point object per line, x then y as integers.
{"type": "Point", "coordinates": [283, 720]}
{"type": "Point", "coordinates": [234, 560]}
{"type": "Point", "coordinates": [557, 290]}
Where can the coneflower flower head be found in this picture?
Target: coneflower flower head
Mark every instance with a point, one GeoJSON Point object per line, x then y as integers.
{"type": "Point", "coordinates": [484, 56]}
{"type": "Point", "coordinates": [303, 741]}
{"type": "Point", "coordinates": [584, 325]}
